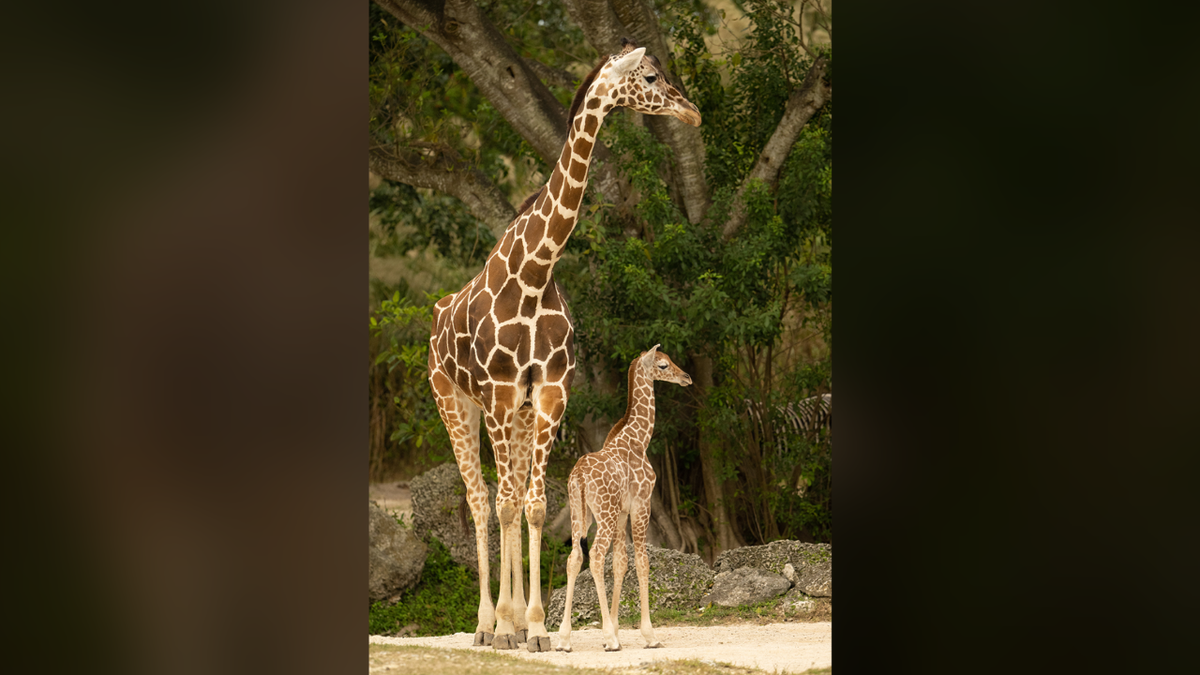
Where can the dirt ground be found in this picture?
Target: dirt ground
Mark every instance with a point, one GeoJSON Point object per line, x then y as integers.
{"type": "Point", "coordinates": [393, 497]}
{"type": "Point", "coordinates": [792, 647]}
{"type": "Point", "coordinates": [779, 647]}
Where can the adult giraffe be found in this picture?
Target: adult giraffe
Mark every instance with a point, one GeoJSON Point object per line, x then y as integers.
{"type": "Point", "coordinates": [504, 345]}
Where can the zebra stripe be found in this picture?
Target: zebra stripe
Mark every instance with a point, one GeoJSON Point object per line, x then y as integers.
{"type": "Point", "coordinates": [806, 416]}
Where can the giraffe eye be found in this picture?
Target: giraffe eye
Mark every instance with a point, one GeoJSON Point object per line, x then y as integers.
{"type": "Point", "coordinates": [662, 366]}
{"type": "Point", "coordinates": [651, 78]}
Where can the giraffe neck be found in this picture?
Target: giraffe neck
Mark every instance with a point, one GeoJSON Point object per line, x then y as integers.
{"type": "Point", "coordinates": [639, 411]}
{"type": "Point", "coordinates": [560, 201]}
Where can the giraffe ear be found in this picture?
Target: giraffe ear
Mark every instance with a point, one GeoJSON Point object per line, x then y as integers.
{"type": "Point", "coordinates": [624, 64]}
{"type": "Point", "coordinates": [648, 356]}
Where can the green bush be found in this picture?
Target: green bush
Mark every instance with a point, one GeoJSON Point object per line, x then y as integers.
{"type": "Point", "coordinates": [444, 601]}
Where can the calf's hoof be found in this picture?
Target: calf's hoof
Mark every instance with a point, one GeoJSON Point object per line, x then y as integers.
{"type": "Point", "coordinates": [656, 645]}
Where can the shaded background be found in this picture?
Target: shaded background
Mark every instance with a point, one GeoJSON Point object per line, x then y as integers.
{"type": "Point", "coordinates": [183, 272]}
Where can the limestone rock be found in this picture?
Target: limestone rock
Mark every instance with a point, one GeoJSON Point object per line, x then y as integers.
{"type": "Point", "coordinates": [795, 599]}
{"type": "Point", "coordinates": [812, 564]}
{"type": "Point", "coordinates": [745, 586]}
{"type": "Point", "coordinates": [439, 502]}
{"type": "Point", "coordinates": [677, 581]}
{"type": "Point", "coordinates": [396, 556]}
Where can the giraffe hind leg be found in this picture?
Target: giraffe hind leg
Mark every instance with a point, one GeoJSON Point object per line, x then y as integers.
{"type": "Point", "coordinates": [461, 418]}
{"type": "Point", "coordinates": [579, 527]}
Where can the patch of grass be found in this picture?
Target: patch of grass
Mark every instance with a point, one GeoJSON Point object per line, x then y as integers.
{"type": "Point", "coordinates": [434, 661]}
{"type": "Point", "coordinates": [697, 667]}
{"type": "Point", "coordinates": [444, 601]}
{"type": "Point", "coordinates": [771, 611]}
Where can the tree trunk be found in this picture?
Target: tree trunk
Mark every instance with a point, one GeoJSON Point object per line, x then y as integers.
{"type": "Point", "coordinates": [714, 493]}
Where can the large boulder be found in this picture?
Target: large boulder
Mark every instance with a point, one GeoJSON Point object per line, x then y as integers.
{"type": "Point", "coordinates": [812, 564]}
{"type": "Point", "coordinates": [396, 556]}
{"type": "Point", "coordinates": [745, 586]}
{"type": "Point", "coordinates": [439, 503]}
{"type": "Point", "coordinates": [677, 581]}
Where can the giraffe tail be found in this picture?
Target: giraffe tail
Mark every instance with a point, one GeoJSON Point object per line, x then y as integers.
{"type": "Point", "coordinates": [577, 498]}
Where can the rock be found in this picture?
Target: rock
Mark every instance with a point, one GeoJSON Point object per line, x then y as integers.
{"type": "Point", "coordinates": [812, 564]}
{"type": "Point", "coordinates": [795, 599]}
{"type": "Point", "coordinates": [396, 556]}
{"type": "Point", "coordinates": [439, 503]}
{"type": "Point", "coordinates": [745, 586]}
{"type": "Point", "coordinates": [677, 581]}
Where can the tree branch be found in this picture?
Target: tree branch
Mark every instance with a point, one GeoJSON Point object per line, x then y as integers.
{"type": "Point", "coordinates": [508, 81]}
{"type": "Point", "coordinates": [446, 173]}
{"type": "Point", "coordinates": [801, 106]}
{"type": "Point", "coordinates": [554, 76]}
{"type": "Point", "coordinates": [461, 29]}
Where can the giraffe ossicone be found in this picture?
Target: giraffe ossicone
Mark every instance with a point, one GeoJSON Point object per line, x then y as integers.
{"type": "Point", "coordinates": [613, 485]}
{"type": "Point", "coordinates": [504, 346]}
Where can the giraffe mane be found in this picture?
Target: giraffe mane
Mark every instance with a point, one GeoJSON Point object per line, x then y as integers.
{"type": "Point", "coordinates": [529, 201]}
{"type": "Point", "coordinates": [582, 92]}
{"type": "Point", "coordinates": [628, 404]}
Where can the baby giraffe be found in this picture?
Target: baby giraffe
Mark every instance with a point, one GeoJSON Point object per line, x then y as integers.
{"type": "Point", "coordinates": [612, 485]}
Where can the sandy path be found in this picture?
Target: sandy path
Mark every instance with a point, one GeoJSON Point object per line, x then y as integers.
{"type": "Point", "coordinates": [783, 647]}
{"type": "Point", "coordinates": [392, 497]}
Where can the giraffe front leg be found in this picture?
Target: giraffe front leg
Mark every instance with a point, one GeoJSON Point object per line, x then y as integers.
{"type": "Point", "coordinates": [642, 561]}
{"type": "Point", "coordinates": [549, 403]}
{"type": "Point", "coordinates": [500, 432]}
{"type": "Point", "coordinates": [521, 453]}
{"type": "Point", "coordinates": [510, 519]}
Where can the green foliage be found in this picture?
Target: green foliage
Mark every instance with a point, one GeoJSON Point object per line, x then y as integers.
{"type": "Point", "coordinates": [400, 332]}
{"type": "Point", "coordinates": [444, 601]}
{"type": "Point", "coordinates": [411, 220]}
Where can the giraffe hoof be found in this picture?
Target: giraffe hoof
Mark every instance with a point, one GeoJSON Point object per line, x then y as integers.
{"type": "Point", "coordinates": [505, 641]}
{"type": "Point", "coordinates": [482, 639]}
{"type": "Point", "coordinates": [522, 635]}
{"type": "Point", "coordinates": [539, 644]}
{"type": "Point", "coordinates": [612, 648]}
{"type": "Point", "coordinates": [561, 648]}
{"type": "Point", "coordinates": [656, 645]}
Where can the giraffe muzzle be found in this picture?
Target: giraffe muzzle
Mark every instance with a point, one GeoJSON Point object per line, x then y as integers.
{"type": "Point", "coordinates": [689, 115]}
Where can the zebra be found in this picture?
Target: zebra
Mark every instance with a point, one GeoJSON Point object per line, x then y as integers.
{"type": "Point", "coordinates": [809, 416]}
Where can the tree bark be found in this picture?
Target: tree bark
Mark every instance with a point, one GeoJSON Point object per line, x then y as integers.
{"type": "Point", "coordinates": [659, 513]}
{"type": "Point", "coordinates": [453, 177]}
{"type": "Point", "coordinates": [713, 489]}
{"type": "Point", "coordinates": [801, 105]}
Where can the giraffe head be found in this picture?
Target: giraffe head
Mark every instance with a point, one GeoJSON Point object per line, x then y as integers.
{"type": "Point", "coordinates": [658, 366]}
{"type": "Point", "coordinates": [637, 81]}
